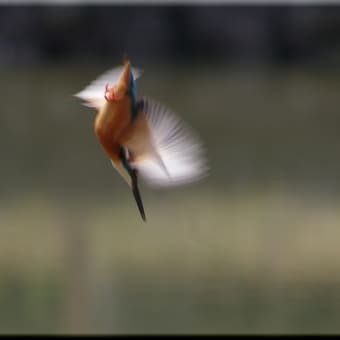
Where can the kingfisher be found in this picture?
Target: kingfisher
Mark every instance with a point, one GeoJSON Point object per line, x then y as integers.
{"type": "Point", "coordinates": [141, 136]}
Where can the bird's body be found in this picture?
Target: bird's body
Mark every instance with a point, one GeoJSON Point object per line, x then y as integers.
{"type": "Point", "coordinates": [114, 118]}
{"type": "Point", "coordinates": [141, 136]}
{"type": "Point", "coordinates": [112, 125]}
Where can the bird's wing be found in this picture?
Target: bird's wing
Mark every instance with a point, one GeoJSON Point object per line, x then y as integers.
{"type": "Point", "coordinates": [93, 94]}
{"type": "Point", "coordinates": [173, 155]}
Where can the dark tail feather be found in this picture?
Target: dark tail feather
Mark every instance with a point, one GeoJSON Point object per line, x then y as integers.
{"type": "Point", "coordinates": [137, 196]}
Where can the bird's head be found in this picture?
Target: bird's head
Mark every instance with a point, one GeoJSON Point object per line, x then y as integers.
{"type": "Point", "coordinates": [122, 86]}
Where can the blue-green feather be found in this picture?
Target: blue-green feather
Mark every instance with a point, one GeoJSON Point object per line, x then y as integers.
{"type": "Point", "coordinates": [133, 95]}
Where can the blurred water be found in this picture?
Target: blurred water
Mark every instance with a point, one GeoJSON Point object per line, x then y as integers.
{"type": "Point", "coordinates": [252, 248]}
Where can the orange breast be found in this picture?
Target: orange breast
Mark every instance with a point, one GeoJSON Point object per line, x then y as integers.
{"type": "Point", "coordinates": [111, 123]}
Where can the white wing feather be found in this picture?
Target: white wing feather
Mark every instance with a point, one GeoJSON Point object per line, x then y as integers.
{"type": "Point", "coordinates": [180, 156]}
{"type": "Point", "coordinates": [93, 94]}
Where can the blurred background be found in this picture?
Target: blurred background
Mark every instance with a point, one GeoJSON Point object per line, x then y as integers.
{"type": "Point", "coordinates": [253, 248]}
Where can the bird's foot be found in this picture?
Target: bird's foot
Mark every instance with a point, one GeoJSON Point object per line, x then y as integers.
{"type": "Point", "coordinates": [109, 94]}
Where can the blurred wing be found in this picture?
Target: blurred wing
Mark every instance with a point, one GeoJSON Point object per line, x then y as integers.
{"type": "Point", "coordinates": [93, 94]}
{"type": "Point", "coordinates": [177, 155]}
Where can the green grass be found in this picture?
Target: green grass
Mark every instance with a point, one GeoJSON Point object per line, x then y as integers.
{"type": "Point", "coordinates": [205, 262]}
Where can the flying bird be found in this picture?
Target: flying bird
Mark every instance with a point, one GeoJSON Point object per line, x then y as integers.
{"type": "Point", "coordinates": [142, 137]}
